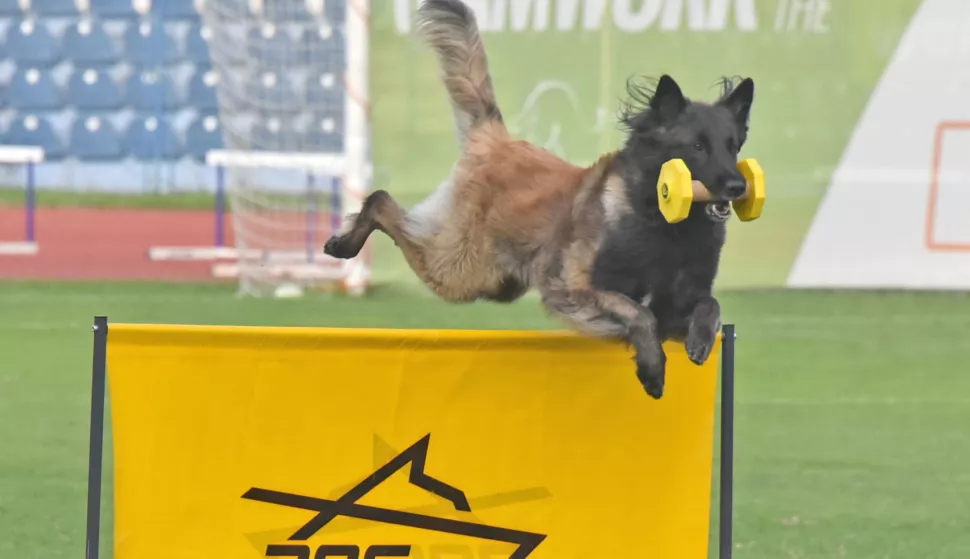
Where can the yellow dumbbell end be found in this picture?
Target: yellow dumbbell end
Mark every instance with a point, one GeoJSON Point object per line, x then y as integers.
{"type": "Point", "coordinates": [674, 190]}
{"type": "Point", "coordinates": [749, 207]}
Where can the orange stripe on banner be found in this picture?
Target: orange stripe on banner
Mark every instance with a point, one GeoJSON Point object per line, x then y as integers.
{"type": "Point", "coordinates": [929, 236]}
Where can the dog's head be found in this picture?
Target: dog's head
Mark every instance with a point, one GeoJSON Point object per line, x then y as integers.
{"type": "Point", "coordinates": [664, 125]}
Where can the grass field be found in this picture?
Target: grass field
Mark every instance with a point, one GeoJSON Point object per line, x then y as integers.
{"type": "Point", "coordinates": [852, 408]}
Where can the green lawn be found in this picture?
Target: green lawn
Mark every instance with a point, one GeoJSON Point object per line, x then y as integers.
{"type": "Point", "coordinates": [852, 436]}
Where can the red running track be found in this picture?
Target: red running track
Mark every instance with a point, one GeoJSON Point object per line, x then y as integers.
{"type": "Point", "coordinates": [108, 244]}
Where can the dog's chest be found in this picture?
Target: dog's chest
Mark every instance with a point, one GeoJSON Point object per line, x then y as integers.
{"type": "Point", "coordinates": [669, 267]}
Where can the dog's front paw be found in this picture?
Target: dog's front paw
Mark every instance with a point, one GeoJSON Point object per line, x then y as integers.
{"type": "Point", "coordinates": [339, 246]}
{"type": "Point", "coordinates": [652, 377]}
{"type": "Point", "coordinates": [699, 347]}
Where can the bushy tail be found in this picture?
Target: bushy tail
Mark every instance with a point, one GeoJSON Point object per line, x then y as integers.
{"type": "Point", "coordinates": [450, 28]}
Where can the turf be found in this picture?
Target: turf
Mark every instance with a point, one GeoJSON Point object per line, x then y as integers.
{"type": "Point", "coordinates": [56, 198]}
{"type": "Point", "coordinates": [851, 426]}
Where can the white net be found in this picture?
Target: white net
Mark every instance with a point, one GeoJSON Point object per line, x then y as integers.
{"type": "Point", "coordinates": [296, 140]}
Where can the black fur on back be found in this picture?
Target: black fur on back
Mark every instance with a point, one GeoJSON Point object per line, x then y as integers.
{"type": "Point", "coordinates": [672, 267]}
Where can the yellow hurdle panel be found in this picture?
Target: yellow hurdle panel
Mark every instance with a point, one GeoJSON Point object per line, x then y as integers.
{"type": "Point", "coordinates": [242, 443]}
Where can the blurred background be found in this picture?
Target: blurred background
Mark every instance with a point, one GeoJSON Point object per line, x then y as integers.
{"type": "Point", "coordinates": [180, 161]}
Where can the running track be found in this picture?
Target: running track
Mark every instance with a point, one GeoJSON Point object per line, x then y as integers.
{"type": "Point", "coordinates": [108, 244]}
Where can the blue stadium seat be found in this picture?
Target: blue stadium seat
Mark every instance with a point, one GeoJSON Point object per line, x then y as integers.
{"type": "Point", "coordinates": [271, 46]}
{"type": "Point", "coordinates": [93, 138]}
{"type": "Point", "coordinates": [336, 11]}
{"type": "Point", "coordinates": [271, 91]}
{"type": "Point", "coordinates": [326, 132]}
{"type": "Point", "coordinates": [203, 135]}
{"type": "Point", "coordinates": [114, 9]}
{"type": "Point", "coordinates": [286, 10]}
{"type": "Point", "coordinates": [88, 44]}
{"type": "Point", "coordinates": [10, 8]}
{"type": "Point", "coordinates": [30, 43]}
{"type": "Point", "coordinates": [148, 44]}
{"type": "Point", "coordinates": [32, 130]}
{"type": "Point", "coordinates": [175, 9]}
{"type": "Point", "coordinates": [202, 90]}
{"type": "Point", "coordinates": [55, 8]}
{"type": "Point", "coordinates": [150, 138]}
{"type": "Point", "coordinates": [150, 91]}
{"type": "Point", "coordinates": [33, 89]}
{"type": "Point", "coordinates": [323, 48]}
{"type": "Point", "coordinates": [196, 45]}
{"type": "Point", "coordinates": [273, 134]}
{"type": "Point", "coordinates": [91, 89]}
{"type": "Point", "coordinates": [325, 91]}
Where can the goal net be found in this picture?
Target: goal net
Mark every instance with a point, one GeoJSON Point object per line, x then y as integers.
{"type": "Point", "coordinates": [292, 95]}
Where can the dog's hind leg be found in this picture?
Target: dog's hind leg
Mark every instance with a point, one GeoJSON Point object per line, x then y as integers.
{"type": "Point", "coordinates": [613, 315]}
{"type": "Point", "coordinates": [380, 212]}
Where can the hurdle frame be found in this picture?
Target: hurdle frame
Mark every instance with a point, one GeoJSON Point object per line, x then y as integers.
{"type": "Point", "coordinates": [30, 157]}
{"type": "Point", "coordinates": [96, 442]}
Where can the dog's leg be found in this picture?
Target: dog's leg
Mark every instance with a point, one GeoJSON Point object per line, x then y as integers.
{"type": "Point", "coordinates": [510, 290]}
{"type": "Point", "coordinates": [702, 329]}
{"type": "Point", "coordinates": [380, 212]}
{"type": "Point", "coordinates": [610, 314]}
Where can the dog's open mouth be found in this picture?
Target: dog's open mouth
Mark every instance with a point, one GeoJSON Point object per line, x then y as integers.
{"type": "Point", "coordinates": [718, 211]}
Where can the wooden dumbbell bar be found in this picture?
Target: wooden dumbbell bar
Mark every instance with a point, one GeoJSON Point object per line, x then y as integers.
{"type": "Point", "coordinates": [677, 191]}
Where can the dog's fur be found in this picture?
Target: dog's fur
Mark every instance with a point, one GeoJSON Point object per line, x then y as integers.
{"type": "Point", "coordinates": [592, 240]}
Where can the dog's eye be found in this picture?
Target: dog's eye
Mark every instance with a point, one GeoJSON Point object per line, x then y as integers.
{"type": "Point", "coordinates": [699, 146]}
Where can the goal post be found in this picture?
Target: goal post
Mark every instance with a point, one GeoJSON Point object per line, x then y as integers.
{"type": "Point", "coordinates": [26, 157]}
{"type": "Point", "coordinates": [293, 100]}
{"type": "Point", "coordinates": [284, 206]}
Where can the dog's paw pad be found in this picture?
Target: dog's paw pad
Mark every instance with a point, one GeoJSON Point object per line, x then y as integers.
{"type": "Point", "coordinates": [698, 351]}
{"type": "Point", "coordinates": [652, 380]}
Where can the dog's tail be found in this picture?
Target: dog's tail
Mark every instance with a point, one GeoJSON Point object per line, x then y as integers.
{"type": "Point", "coordinates": [450, 28]}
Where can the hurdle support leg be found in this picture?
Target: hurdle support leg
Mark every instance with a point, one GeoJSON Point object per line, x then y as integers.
{"type": "Point", "coordinates": [95, 458]}
{"type": "Point", "coordinates": [726, 500]}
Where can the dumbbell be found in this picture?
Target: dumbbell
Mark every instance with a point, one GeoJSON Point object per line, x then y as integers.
{"type": "Point", "coordinates": [677, 191]}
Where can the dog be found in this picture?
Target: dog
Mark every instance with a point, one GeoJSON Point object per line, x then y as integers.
{"type": "Point", "coordinates": [513, 216]}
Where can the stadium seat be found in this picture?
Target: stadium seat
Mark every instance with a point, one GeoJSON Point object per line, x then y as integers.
{"type": "Point", "coordinates": [55, 8]}
{"type": "Point", "coordinates": [10, 8]}
{"type": "Point", "coordinates": [203, 135]}
{"type": "Point", "coordinates": [148, 44]}
{"type": "Point", "coordinates": [88, 44]}
{"type": "Point", "coordinates": [91, 89]}
{"type": "Point", "coordinates": [271, 46]}
{"type": "Point", "coordinates": [196, 45]}
{"type": "Point", "coordinates": [93, 138]}
{"type": "Point", "coordinates": [115, 9]}
{"type": "Point", "coordinates": [285, 10]}
{"type": "Point", "coordinates": [30, 43]}
{"type": "Point", "coordinates": [270, 133]}
{"type": "Point", "coordinates": [175, 9]}
{"type": "Point", "coordinates": [272, 92]}
{"type": "Point", "coordinates": [150, 138]}
{"type": "Point", "coordinates": [326, 132]}
{"type": "Point", "coordinates": [325, 91]}
{"type": "Point", "coordinates": [202, 90]}
{"type": "Point", "coordinates": [33, 89]}
{"type": "Point", "coordinates": [32, 130]}
{"type": "Point", "coordinates": [323, 48]}
{"type": "Point", "coordinates": [150, 91]}
{"type": "Point", "coordinates": [336, 11]}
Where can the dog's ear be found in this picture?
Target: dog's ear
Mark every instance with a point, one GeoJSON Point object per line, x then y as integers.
{"type": "Point", "coordinates": [739, 102]}
{"type": "Point", "coordinates": [668, 100]}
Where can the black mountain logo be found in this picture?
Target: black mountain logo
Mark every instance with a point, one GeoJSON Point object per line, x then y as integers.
{"type": "Point", "coordinates": [347, 506]}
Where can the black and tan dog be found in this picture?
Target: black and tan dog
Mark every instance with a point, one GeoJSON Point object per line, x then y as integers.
{"type": "Point", "coordinates": [591, 240]}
